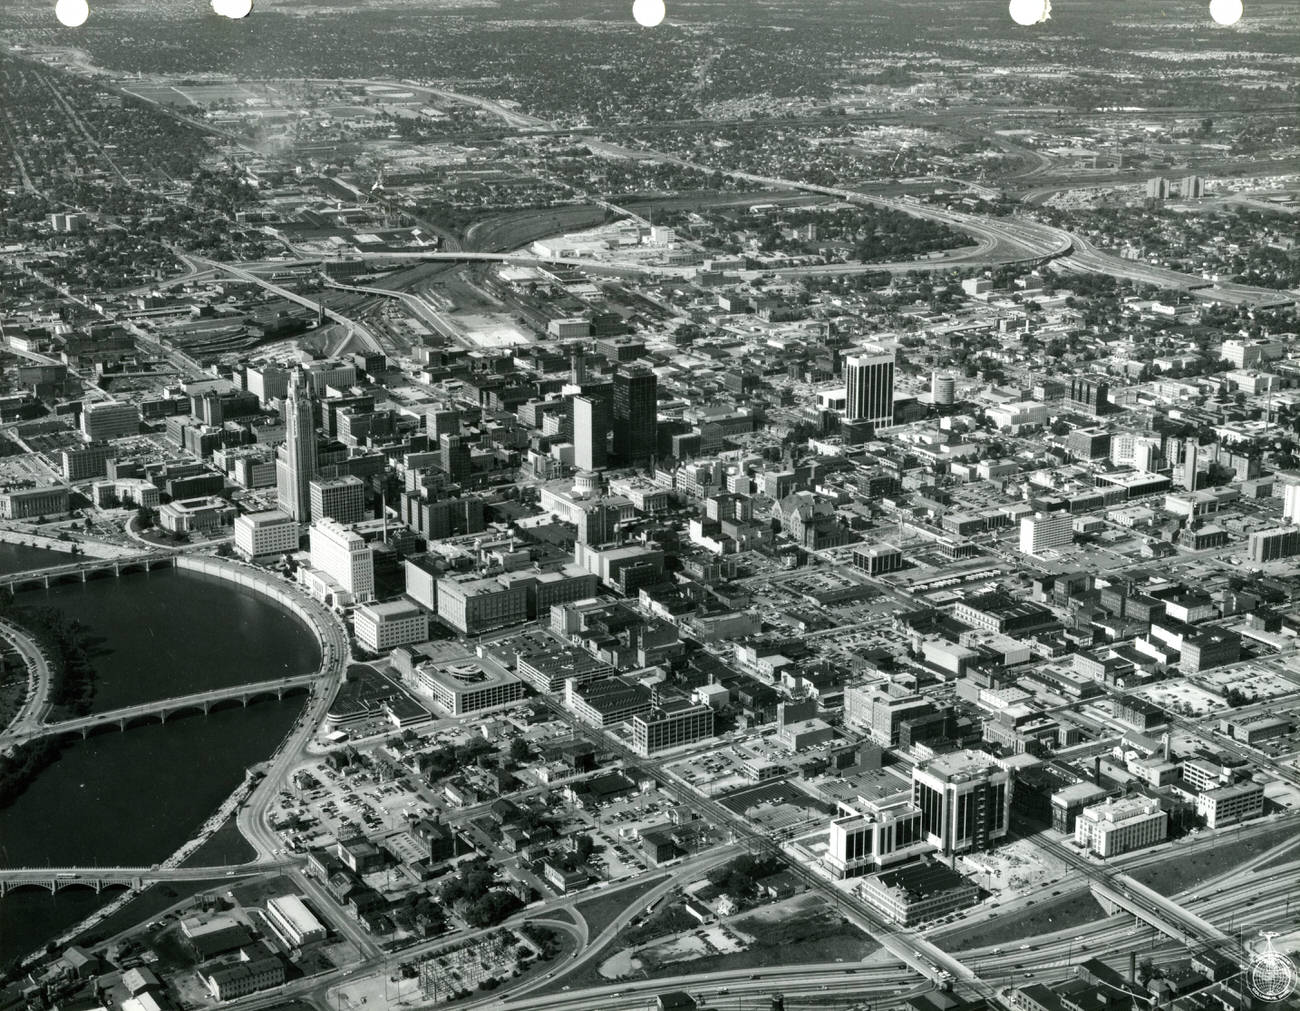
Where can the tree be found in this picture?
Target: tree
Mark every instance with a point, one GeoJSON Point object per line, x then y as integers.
{"type": "Point", "coordinates": [144, 517]}
{"type": "Point", "coordinates": [519, 750]}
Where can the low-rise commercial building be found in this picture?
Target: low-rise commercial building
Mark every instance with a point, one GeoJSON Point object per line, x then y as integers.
{"type": "Point", "coordinates": [607, 702]}
{"type": "Point", "coordinates": [476, 605]}
{"type": "Point", "coordinates": [226, 982]}
{"type": "Point", "coordinates": [1118, 826]}
{"type": "Point", "coordinates": [918, 892]}
{"type": "Point", "coordinates": [466, 685]}
{"type": "Point", "coordinates": [293, 921]}
{"type": "Point", "coordinates": [1229, 805]}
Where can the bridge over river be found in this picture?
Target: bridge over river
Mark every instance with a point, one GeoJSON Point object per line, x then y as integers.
{"type": "Point", "coordinates": [162, 708]}
{"type": "Point", "coordinates": [99, 878]}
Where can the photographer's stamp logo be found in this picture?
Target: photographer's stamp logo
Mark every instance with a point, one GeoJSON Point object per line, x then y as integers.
{"type": "Point", "coordinates": [1270, 975]}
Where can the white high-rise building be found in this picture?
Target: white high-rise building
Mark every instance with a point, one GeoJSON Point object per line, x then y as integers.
{"type": "Point", "coordinates": [263, 534]}
{"type": "Point", "coordinates": [1042, 531]}
{"type": "Point", "coordinates": [342, 555]}
{"type": "Point", "coordinates": [1291, 503]}
{"type": "Point", "coordinates": [943, 388]}
{"type": "Point", "coordinates": [964, 799]}
{"type": "Point", "coordinates": [589, 427]}
{"type": "Point", "coordinates": [869, 386]}
{"type": "Point", "coordinates": [296, 462]}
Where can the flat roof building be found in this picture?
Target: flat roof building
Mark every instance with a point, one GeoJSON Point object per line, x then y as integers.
{"type": "Point", "coordinates": [381, 627]}
{"type": "Point", "coordinates": [607, 702]}
{"type": "Point", "coordinates": [466, 685]}
{"type": "Point", "coordinates": [265, 534]}
{"type": "Point", "coordinates": [340, 498]}
{"type": "Point", "coordinates": [26, 503]}
{"type": "Point", "coordinates": [964, 799]}
{"type": "Point", "coordinates": [1118, 826]}
{"type": "Point", "coordinates": [675, 723]}
{"type": "Point", "coordinates": [293, 921]}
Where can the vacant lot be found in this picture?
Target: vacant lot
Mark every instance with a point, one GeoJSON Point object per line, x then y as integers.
{"type": "Point", "coordinates": [1182, 871]}
{"type": "Point", "coordinates": [798, 931]}
{"type": "Point", "coordinates": [600, 912]}
{"type": "Point", "coordinates": [1070, 910]}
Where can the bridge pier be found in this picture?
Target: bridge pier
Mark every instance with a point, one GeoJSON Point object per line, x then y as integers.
{"type": "Point", "coordinates": [83, 575]}
{"type": "Point", "coordinates": [117, 569]}
{"type": "Point", "coordinates": [45, 581]}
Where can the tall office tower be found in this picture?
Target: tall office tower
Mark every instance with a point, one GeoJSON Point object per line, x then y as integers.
{"type": "Point", "coordinates": [1089, 394]}
{"type": "Point", "coordinates": [869, 381]}
{"type": "Point", "coordinates": [636, 413]}
{"type": "Point", "coordinates": [578, 367]}
{"type": "Point", "coordinates": [1157, 188]}
{"type": "Point", "coordinates": [454, 457]}
{"type": "Point", "coordinates": [297, 463]}
{"type": "Point", "coordinates": [1190, 450]}
{"type": "Point", "coordinates": [589, 428]}
{"type": "Point", "coordinates": [943, 389]}
{"type": "Point", "coordinates": [1291, 503]}
{"type": "Point", "coordinates": [964, 800]}
{"type": "Point", "coordinates": [439, 421]}
{"type": "Point", "coordinates": [342, 555]}
{"type": "Point", "coordinates": [341, 498]}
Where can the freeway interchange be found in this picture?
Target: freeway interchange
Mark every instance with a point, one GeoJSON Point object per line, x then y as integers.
{"type": "Point", "coordinates": [1251, 894]}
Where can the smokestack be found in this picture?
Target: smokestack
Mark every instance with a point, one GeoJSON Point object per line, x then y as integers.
{"type": "Point", "coordinates": [1165, 741]}
{"type": "Point", "coordinates": [1096, 770]}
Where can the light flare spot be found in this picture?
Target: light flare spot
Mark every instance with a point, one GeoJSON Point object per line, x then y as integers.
{"type": "Point", "coordinates": [72, 13]}
{"type": "Point", "coordinates": [648, 13]}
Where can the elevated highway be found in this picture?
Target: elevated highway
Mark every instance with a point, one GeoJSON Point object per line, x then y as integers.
{"type": "Point", "coordinates": [292, 296]}
{"type": "Point", "coordinates": [1166, 915]}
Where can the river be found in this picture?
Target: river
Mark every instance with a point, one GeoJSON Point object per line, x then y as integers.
{"type": "Point", "coordinates": [132, 798]}
{"type": "Point", "coordinates": [20, 558]}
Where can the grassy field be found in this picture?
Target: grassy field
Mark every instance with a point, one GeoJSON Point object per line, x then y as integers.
{"type": "Point", "coordinates": [1189, 869]}
{"type": "Point", "coordinates": [811, 933]}
{"type": "Point", "coordinates": [226, 847]}
{"type": "Point", "coordinates": [601, 911]}
{"type": "Point", "coordinates": [1069, 910]}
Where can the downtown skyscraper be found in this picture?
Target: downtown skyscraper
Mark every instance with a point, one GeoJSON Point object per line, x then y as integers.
{"type": "Point", "coordinates": [636, 413]}
{"type": "Point", "coordinates": [296, 463]}
{"type": "Point", "coordinates": [869, 386]}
